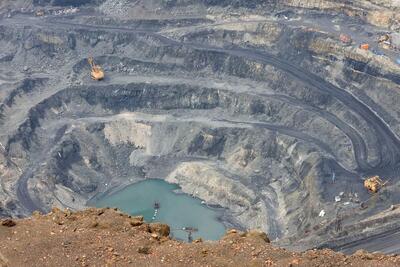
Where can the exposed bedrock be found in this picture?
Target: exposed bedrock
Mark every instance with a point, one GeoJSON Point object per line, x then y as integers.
{"type": "Point", "coordinates": [267, 175]}
{"type": "Point", "coordinates": [267, 119]}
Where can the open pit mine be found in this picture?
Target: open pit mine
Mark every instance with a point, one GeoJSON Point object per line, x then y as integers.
{"type": "Point", "coordinates": [281, 116]}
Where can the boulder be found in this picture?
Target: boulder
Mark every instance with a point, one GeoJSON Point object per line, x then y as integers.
{"type": "Point", "coordinates": [258, 234]}
{"type": "Point", "coordinates": [136, 221]}
{"type": "Point", "coordinates": [159, 228]}
{"type": "Point", "coordinates": [8, 223]}
{"type": "Point", "coordinates": [143, 250]}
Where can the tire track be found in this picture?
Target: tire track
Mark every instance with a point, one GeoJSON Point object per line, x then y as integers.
{"type": "Point", "coordinates": [388, 141]}
{"type": "Point", "coordinates": [286, 131]}
{"type": "Point", "coordinates": [23, 194]}
{"type": "Point", "coordinates": [359, 146]}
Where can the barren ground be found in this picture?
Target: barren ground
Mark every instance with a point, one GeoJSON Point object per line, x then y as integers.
{"type": "Point", "coordinates": [105, 237]}
{"type": "Point", "coordinates": [257, 107]}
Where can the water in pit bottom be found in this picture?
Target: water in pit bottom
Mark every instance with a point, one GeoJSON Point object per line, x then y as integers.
{"type": "Point", "coordinates": [176, 210]}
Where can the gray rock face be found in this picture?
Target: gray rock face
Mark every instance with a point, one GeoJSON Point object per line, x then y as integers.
{"type": "Point", "coordinates": [254, 110]}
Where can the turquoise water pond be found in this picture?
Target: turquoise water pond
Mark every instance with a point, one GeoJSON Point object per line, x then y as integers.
{"type": "Point", "coordinates": [177, 210]}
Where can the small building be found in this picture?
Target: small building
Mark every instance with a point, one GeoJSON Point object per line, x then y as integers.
{"type": "Point", "coordinates": [364, 46]}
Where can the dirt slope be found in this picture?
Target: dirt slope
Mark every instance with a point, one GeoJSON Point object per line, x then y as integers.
{"type": "Point", "coordinates": [106, 237]}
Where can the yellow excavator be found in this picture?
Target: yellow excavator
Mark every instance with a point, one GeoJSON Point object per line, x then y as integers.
{"type": "Point", "coordinates": [374, 183]}
{"type": "Point", "coordinates": [96, 72]}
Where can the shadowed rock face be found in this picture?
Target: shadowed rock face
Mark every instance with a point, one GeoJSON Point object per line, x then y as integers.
{"type": "Point", "coordinates": [267, 117]}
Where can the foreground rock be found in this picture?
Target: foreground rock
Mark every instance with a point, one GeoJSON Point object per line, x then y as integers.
{"type": "Point", "coordinates": [8, 223]}
{"type": "Point", "coordinates": [114, 241]}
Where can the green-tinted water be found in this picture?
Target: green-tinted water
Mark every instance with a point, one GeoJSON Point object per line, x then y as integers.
{"type": "Point", "coordinates": [177, 210]}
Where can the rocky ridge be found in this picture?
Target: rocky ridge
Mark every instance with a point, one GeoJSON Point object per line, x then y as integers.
{"type": "Point", "coordinates": [107, 237]}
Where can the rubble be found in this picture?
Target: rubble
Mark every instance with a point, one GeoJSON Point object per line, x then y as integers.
{"type": "Point", "coordinates": [66, 11]}
{"type": "Point", "coordinates": [24, 246]}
